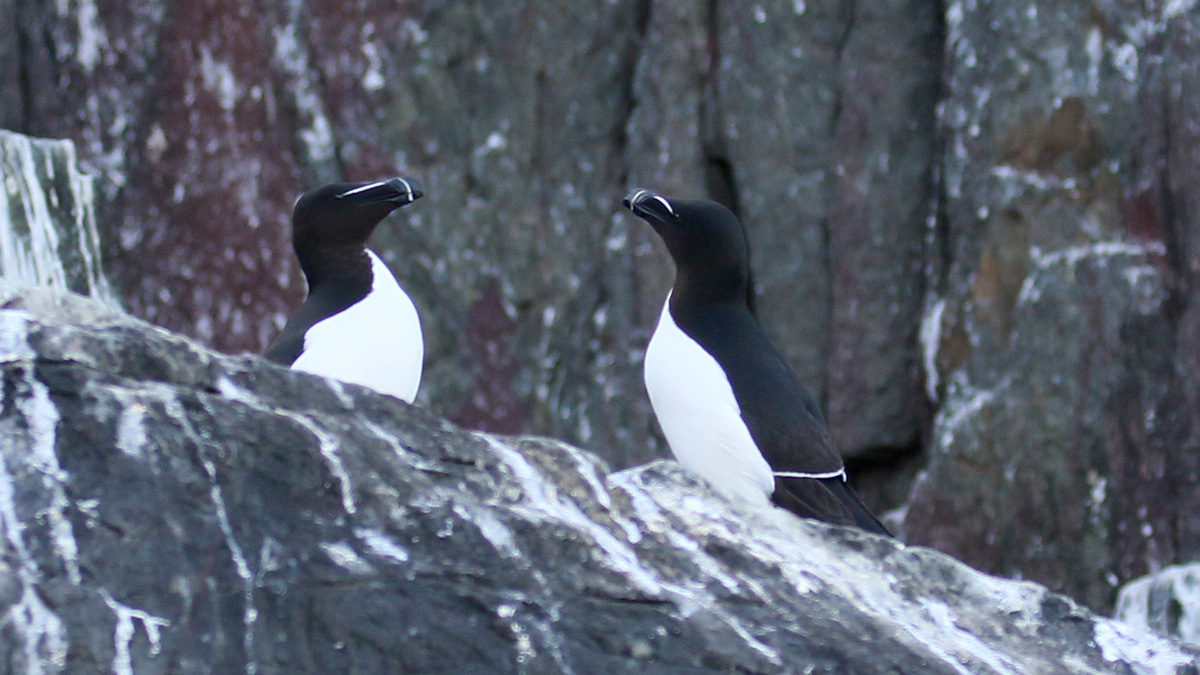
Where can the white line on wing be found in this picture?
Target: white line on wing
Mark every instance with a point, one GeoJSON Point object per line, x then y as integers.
{"type": "Point", "coordinates": [798, 474]}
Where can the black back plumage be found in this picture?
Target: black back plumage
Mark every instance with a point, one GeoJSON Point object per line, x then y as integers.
{"type": "Point", "coordinates": [708, 303]}
{"type": "Point", "coordinates": [330, 229]}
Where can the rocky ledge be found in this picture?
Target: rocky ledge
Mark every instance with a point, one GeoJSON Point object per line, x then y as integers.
{"type": "Point", "coordinates": [164, 508]}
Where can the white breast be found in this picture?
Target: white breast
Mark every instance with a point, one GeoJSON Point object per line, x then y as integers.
{"type": "Point", "coordinates": [375, 342]}
{"type": "Point", "coordinates": [700, 416]}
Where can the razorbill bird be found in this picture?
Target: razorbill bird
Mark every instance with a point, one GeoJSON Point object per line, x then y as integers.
{"type": "Point", "coordinates": [731, 408]}
{"type": "Point", "coordinates": [357, 324]}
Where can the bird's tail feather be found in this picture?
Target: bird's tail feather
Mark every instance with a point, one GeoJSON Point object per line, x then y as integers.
{"type": "Point", "coordinates": [827, 499]}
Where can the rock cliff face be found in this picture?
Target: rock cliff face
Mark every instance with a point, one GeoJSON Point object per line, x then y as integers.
{"type": "Point", "coordinates": [1063, 333]}
{"type": "Point", "coordinates": [527, 124]}
{"type": "Point", "coordinates": [167, 509]}
{"type": "Point", "coordinates": [972, 222]}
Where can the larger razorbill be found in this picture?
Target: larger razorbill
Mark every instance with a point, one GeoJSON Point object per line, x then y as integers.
{"type": "Point", "coordinates": [731, 408]}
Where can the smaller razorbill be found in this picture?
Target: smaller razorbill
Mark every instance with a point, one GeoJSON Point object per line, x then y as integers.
{"type": "Point", "coordinates": [357, 324]}
{"type": "Point", "coordinates": [731, 408]}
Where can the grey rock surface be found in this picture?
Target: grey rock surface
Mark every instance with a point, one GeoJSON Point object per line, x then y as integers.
{"type": "Point", "coordinates": [1061, 336]}
{"type": "Point", "coordinates": [168, 509]}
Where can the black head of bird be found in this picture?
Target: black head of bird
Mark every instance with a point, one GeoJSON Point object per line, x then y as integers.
{"type": "Point", "coordinates": [343, 216]}
{"type": "Point", "coordinates": [705, 240]}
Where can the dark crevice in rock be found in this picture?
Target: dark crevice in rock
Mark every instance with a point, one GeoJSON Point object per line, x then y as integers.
{"type": "Point", "coordinates": [38, 65]}
{"type": "Point", "coordinates": [537, 156]}
{"type": "Point", "coordinates": [938, 252]}
{"type": "Point", "coordinates": [940, 248]}
{"type": "Point", "coordinates": [24, 77]}
{"type": "Point", "coordinates": [882, 454]}
{"type": "Point", "coordinates": [322, 86]}
{"type": "Point", "coordinates": [642, 17]}
{"type": "Point", "coordinates": [310, 172]}
{"type": "Point", "coordinates": [847, 14]}
{"type": "Point", "coordinates": [718, 171]}
{"type": "Point", "coordinates": [626, 76]}
{"type": "Point", "coordinates": [1174, 224]}
{"type": "Point", "coordinates": [712, 140]}
{"type": "Point", "coordinates": [712, 36]}
{"type": "Point", "coordinates": [720, 181]}
{"type": "Point", "coordinates": [843, 41]}
{"type": "Point", "coordinates": [883, 477]}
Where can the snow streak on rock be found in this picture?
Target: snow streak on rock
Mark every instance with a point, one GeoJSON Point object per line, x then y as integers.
{"type": "Point", "coordinates": [48, 233]}
{"type": "Point", "coordinates": [125, 629]}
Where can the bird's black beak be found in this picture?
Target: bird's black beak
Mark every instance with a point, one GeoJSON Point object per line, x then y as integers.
{"type": "Point", "coordinates": [398, 190]}
{"type": "Point", "coordinates": [650, 205]}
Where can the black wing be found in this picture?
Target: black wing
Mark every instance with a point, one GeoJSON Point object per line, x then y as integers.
{"type": "Point", "coordinates": [796, 439]}
{"type": "Point", "coordinates": [827, 499]}
{"type": "Point", "coordinates": [318, 306]}
{"type": "Point", "coordinates": [792, 436]}
{"type": "Point", "coordinates": [782, 416]}
{"type": "Point", "coordinates": [784, 420]}
{"type": "Point", "coordinates": [287, 346]}
{"type": "Point", "coordinates": [806, 446]}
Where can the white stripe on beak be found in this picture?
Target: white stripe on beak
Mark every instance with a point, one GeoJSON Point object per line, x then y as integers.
{"type": "Point", "coordinates": [408, 191]}
{"type": "Point", "coordinates": [666, 204]}
{"type": "Point", "coordinates": [366, 187]}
